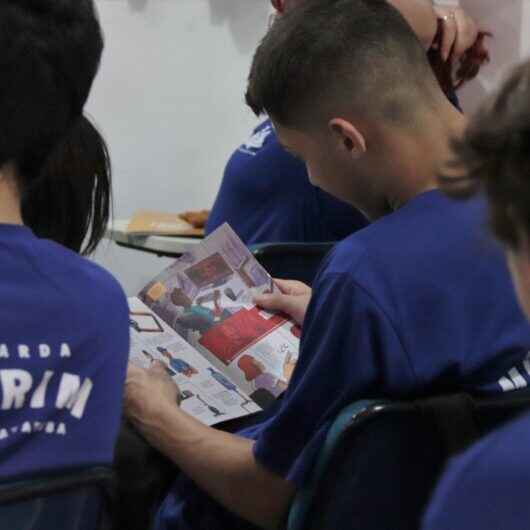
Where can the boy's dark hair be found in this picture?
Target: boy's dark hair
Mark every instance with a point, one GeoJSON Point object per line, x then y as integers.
{"type": "Point", "coordinates": [51, 51]}
{"type": "Point", "coordinates": [494, 156]}
{"type": "Point", "coordinates": [71, 201]}
{"type": "Point", "coordinates": [352, 54]}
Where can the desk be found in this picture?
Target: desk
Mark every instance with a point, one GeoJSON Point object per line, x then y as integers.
{"type": "Point", "coordinates": [163, 246]}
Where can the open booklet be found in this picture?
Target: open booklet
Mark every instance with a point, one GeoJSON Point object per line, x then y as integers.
{"type": "Point", "coordinates": [228, 357]}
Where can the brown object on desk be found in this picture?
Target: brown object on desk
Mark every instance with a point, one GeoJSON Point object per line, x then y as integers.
{"type": "Point", "coordinates": [149, 223]}
{"type": "Point", "coordinates": [197, 219]}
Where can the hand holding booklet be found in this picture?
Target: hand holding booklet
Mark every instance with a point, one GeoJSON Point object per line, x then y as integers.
{"type": "Point", "coordinates": [228, 357]}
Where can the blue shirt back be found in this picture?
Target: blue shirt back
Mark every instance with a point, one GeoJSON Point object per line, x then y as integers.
{"type": "Point", "coordinates": [418, 302]}
{"type": "Point", "coordinates": [486, 487]}
{"type": "Point", "coordinates": [64, 342]}
{"type": "Point", "coordinates": [266, 197]}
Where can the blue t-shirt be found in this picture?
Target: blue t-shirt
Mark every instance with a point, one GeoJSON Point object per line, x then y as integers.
{"type": "Point", "coordinates": [418, 302]}
{"type": "Point", "coordinates": [266, 197]}
{"type": "Point", "coordinates": [488, 486]}
{"type": "Point", "coordinates": [64, 343]}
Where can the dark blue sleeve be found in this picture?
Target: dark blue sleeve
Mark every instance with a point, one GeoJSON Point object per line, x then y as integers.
{"type": "Point", "coordinates": [487, 487]}
{"type": "Point", "coordinates": [349, 351]}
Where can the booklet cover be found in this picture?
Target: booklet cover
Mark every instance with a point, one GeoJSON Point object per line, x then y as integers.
{"type": "Point", "coordinates": [228, 357]}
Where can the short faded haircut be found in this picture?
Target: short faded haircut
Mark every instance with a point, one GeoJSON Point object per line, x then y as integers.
{"type": "Point", "coordinates": [350, 54]}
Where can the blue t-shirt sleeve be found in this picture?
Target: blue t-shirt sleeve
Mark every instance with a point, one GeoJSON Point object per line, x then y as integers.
{"type": "Point", "coordinates": [349, 351]}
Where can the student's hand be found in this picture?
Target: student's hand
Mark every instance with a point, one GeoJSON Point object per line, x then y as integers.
{"type": "Point", "coordinates": [147, 390]}
{"type": "Point", "coordinates": [293, 299]}
{"type": "Point", "coordinates": [460, 32]}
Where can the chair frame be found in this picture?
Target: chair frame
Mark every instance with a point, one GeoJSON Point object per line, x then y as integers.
{"type": "Point", "coordinates": [358, 415]}
{"type": "Point", "coordinates": [45, 485]}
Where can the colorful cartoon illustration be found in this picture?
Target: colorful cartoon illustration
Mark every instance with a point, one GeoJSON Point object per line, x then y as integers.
{"type": "Point", "coordinates": [179, 366]}
{"type": "Point", "coordinates": [238, 332]}
{"type": "Point", "coordinates": [195, 316]}
{"type": "Point", "coordinates": [216, 412]}
{"type": "Point", "coordinates": [245, 277]}
{"type": "Point", "coordinates": [213, 270]}
{"type": "Point", "coordinates": [296, 331]}
{"type": "Point", "coordinates": [144, 322]}
{"type": "Point", "coordinates": [149, 356]}
{"type": "Point", "coordinates": [186, 394]}
{"type": "Point", "coordinates": [152, 359]}
{"type": "Point", "coordinates": [223, 381]}
{"type": "Point", "coordinates": [256, 373]}
{"type": "Point", "coordinates": [229, 293]}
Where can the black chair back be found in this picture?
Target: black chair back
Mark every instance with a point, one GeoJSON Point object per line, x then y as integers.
{"type": "Point", "coordinates": [292, 261]}
{"type": "Point", "coordinates": [74, 500]}
{"type": "Point", "coordinates": [385, 461]}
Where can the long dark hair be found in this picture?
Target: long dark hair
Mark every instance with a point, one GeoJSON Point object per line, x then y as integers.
{"type": "Point", "coordinates": [51, 50]}
{"type": "Point", "coordinates": [71, 201]}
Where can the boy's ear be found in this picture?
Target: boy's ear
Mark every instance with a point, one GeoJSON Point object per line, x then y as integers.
{"type": "Point", "coordinates": [348, 137]}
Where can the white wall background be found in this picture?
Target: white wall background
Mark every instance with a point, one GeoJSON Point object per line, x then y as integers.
{"type": "Point", "coordinates": [509, 21]}
{"type": "Point", "coordinates": [169, 99]}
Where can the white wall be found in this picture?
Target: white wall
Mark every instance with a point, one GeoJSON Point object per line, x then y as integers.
{"type": "Point", "coordinates": [509, 21]}
{"type": "Point", "coordinates": [169, 99]}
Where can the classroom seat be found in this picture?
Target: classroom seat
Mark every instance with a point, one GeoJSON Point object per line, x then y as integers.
{"type": "Point", "coordinates": [72, 500]}
{"type": "Point", "coordinates": [382, 459]}
{"type": "Point", "coordinates": [292, 261]}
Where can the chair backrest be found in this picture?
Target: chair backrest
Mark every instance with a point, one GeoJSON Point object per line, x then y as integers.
{"type": "Point", "coordinates": [382, 459]}
{"type": "Point", "coordinates": [292, 261]}
{"type": "Point", "coordinates": [73, 500]}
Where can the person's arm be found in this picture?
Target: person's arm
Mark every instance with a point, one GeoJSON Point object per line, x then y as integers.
{"type": "Point", "coordinates": [222, 464]}
{"type": "Point", "coordinates": [421, 17]}
{"type": "Point", "coordinates": [460, 31]}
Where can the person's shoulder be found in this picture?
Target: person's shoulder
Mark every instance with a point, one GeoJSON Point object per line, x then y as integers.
{"type": "Point", "coordinates": [494, 468]}
{"type": "Point", "coordinates": [389, 250]}
{"type": "Point", "coordinates": [501, 450]}
{"type": "Point", "coordinates": [423, 229]}
{"type": "Point", "coordinates": [79, 279]}
{"type": "Point", "coordinates": [346, 275]}
{"type": "Point", "coordinates": [346, 257]}
{"type": "Point", "coordinates": [59, 259]}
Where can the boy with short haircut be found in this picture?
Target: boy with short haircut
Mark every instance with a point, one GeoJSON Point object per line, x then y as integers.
{"type": "Point", "coordinates": [394, 309]}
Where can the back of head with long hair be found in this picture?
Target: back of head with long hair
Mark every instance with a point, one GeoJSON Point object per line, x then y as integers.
{"type": "Point", "coordinates": [51, 51]}
{"type": "Point", "coordinates": [71, 201]}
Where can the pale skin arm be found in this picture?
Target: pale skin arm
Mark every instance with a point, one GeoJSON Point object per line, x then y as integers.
{"type": "Point", "coordinates": [460, 31]}
{"type": "Point", "coordinates": [222, 464]}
